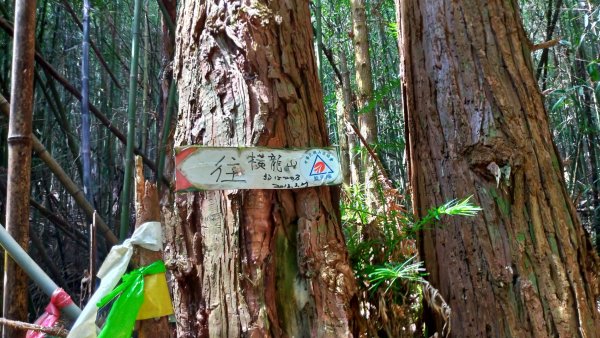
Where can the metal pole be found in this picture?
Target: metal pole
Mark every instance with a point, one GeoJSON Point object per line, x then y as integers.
{"type": "Point", "coordinates": [33, 270]}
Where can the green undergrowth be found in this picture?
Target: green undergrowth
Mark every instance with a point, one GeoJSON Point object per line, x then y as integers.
{"type": "Point", "coordinates": [383, 253]}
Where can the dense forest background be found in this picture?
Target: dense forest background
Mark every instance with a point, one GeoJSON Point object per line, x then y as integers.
{"type": "Point", "coordinates": [564, 37]}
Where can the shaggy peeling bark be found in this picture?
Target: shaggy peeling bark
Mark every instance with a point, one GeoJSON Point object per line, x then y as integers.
{"type": "Point", "coordinates": [254, 263]}
{"type": "Point", "coordinates": [477, 126]}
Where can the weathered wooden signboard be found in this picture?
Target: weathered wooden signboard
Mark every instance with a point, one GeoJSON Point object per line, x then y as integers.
{"type": "Point", "coordinates": [219, 168]}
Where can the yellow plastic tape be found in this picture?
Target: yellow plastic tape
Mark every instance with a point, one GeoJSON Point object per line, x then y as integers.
{"type": "Point", "coordinates": [157, 301]}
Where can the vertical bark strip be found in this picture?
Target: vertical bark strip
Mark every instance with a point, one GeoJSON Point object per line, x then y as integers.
{"type": "Point", "coordinates": [477, 125]}
{"type": "Point", "coordinates": [19, 161]}
{"type": "Point", "coordinates": [254, 263]}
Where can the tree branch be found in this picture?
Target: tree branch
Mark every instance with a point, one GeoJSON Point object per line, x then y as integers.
{"type": "Point", "coordinates": [546, 44]}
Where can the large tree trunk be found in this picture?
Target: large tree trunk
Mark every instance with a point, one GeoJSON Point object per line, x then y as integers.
{"type": "Point", "coordinates": [477, 126]}
{"type": "Point", "coordinates": [259, 262]}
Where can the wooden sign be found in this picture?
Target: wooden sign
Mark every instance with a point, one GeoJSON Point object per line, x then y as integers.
{"type": "Point", "coordinates": [220, 168]}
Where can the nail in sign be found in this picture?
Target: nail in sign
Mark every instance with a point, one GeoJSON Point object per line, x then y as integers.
{"type": "Point", "coordinates": [220, 168]}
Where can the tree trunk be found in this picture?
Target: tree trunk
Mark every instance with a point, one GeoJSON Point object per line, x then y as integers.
{"type": "Point", "coordinates": [19, 161]}
{"type": "Point", "coordinates": [367, 120]}
{"type": "Point", "coordinates": [259, 262]}
{"type": "Point", "coordinates": [477, 126]}
{"type": "Point", "coordinates": [344, 107]}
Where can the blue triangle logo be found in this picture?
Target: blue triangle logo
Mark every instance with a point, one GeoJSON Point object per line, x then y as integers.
{"type": "Point", "coordinates": [320, 167]}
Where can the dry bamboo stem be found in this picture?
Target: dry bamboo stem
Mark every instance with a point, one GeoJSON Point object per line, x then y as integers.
{"type": "Point", "coordinates": [19, 159]}
{"type": "Point", "coordinates": [92, 44]}
{"type": "Point", "coordinates": [71, 89]}
{"type": "Point", "coordinates": [62, 176]}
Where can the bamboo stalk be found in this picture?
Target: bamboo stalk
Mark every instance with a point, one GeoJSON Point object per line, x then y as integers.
{"type": "Point", "coordinates": [58, 111]}
{"type": "Point", "coordinates": [167, 18]}
{"type": "Point", "coordinates": [145, 83]}
{"type": "Point", "coordinates": [48, 262]}
{"type": "Point", "coordinates": [34, 272]}
{"type": "Point", "coordinates": [60, 224]}
{"type": "Point", "coordinates": [65, 179]}
{"type": "Point", "coordinates": [72, 188]}
{"type": "Point", "coordinates": [85, 112]}
{"type": "Point", "coordinates": [131, 108]}
{"type": "Point", "coordinates": [97, 113]}
{"type": "Point", "coordinates": [37, 243]}
{"type": "Point", "coordinates": [19, 159]}
{"type": "Point", "coordinates": [92, 44]}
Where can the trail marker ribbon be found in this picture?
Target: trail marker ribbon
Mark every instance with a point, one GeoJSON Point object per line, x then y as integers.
{"type": "Point", "coordinates": [130, 293]}
{"type": "Point", "coordinates": [149, 236]}
{"type": "Point", "coordinates": [58, 300]}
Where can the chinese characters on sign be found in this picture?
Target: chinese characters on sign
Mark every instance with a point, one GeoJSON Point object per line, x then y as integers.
{"type": "Point", "coordinates": [218, 168]}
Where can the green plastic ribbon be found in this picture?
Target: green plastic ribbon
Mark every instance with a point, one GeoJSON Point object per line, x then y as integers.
{"type": "Point", "coordinates": [121, 318]}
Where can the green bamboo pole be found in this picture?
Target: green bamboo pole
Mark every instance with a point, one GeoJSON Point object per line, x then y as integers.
{"type": "Point", "coordinates": [51, 94]}
{"type": "Point", "coordinates": [127, 180]}
{"type": "Point", "coordinates": [69, 9]}
{"type": "Point", "coordinates": [146, 84]}
{"type": "Point", "coordinates": [167, 19]}
{"type": "Point", "coordinates": [71, 89]}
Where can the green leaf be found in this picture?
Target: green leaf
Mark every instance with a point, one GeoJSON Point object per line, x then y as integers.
{"type": "Point", "coordinates": [409, 270]}
{"type": "Point", "coordinates": [593, 70]}
{"type": "Point", "coordinates": [460, 208]}
{"type": "Point", "coordinates": [559, 103]}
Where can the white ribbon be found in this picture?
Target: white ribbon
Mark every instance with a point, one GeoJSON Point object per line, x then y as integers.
{"type": "Point", "coordinates": [148, 236]}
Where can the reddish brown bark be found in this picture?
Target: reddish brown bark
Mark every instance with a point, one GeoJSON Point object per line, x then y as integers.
{"type": "Point", "coordinates": [254, 263]}
{"type": "Point", "coordinates": [524, 267]}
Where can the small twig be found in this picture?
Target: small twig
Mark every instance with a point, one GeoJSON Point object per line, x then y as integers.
{"type": "Point", "coordinates": [57, 331]}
